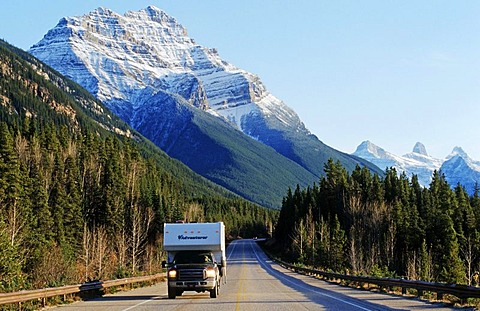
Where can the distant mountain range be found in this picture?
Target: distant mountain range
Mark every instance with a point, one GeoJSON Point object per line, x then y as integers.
{"type": "Point", "coordinates": [457, 167]}
{"type": "Point", "coordinates": [218, 119]}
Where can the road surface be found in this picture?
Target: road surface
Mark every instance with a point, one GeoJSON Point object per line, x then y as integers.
{"type": "Point", "coordinates": [256, 283]}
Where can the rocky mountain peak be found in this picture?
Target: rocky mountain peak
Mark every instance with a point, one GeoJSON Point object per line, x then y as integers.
{"type": "Point", "coordinates": [420, 149]}
{"type": "Point", "coordinates": [460, 152]}
{"type": "Point", "coordinates": [154, 11]}
{"type": "Point", "coordinates": [168, 23]}
{"type": "Point", "coordinates": [102, 11]}
{"type": "Point", "coordinates": [157, 14]}
{"type": "Point", "coordinates": [369, 148]}
{"type": "Point", "coordinates": [458, 167]}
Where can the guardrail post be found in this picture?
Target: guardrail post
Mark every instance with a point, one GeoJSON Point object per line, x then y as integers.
{"type": "Point", "coordinates": [439, 295]}
{"type": "Point", "coordinates": [419, 293]}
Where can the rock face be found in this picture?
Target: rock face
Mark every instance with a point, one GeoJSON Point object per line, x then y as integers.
{"type": "Point", "coordinates": [457, 167]}
{"type": "Point", "coordinates": [128, 60]}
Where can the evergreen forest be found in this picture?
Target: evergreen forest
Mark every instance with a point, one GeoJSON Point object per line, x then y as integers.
{"type": "Point", "coordinates": [84, 197]}
{"type": "Point", "coordinates": [362, 224]}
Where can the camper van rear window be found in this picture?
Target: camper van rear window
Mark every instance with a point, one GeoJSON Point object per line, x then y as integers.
{"type": "Point", "coordinates": [195, 237]}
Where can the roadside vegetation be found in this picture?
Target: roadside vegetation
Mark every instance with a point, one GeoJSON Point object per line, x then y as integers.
{"type": "Point", "coordinates": [79, 202]}
{"type": "Point", "coordinates": [362, 224]}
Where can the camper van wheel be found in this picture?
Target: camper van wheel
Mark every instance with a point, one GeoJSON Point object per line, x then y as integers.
{"type": "Point", "coordinates": [214, 291]}
{"type": "Point", "coordinates": [171, 293]}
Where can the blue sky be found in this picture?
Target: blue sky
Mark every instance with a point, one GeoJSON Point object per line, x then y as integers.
{"type": "Point", "coordinates": [392, 72]}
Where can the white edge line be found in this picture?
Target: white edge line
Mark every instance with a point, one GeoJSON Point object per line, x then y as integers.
{"type": "Point", "coordinates": [139, 304]}
{"type": "Point", "coordinates": [304, 287]}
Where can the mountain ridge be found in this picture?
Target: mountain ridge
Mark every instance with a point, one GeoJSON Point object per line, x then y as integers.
{"type": "Point", "coordinates": [82, 109]}
{"type": "Point", "coordinates": [125, 60]}
{"type": "Point", "coordinates": [457, 167]}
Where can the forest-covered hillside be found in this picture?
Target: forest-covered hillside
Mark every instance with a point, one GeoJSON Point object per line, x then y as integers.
{"type": "Point", "coordinates": [83, 196]}
{"type": "Point", "coordinates": [360, 223]}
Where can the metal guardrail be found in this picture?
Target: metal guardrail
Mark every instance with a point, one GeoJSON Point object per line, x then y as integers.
{"type": "Point", "coordinates": [43, 294]}
{"type": "Point", "coordinates": [461, 291]}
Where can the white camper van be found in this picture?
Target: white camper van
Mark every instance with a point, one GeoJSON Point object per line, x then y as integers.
{"type": "Point", "coordinates": [195, 257]}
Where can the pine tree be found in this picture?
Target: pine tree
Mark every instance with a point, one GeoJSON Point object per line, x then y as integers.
{"type": "Point", "coordinates": [338, 243]}
{"type": "Point", "coordinates": [469, 237]}
{"type": "Point", "coordinates": [41, 228]}
{"type": "Point", "coordinates": [10, 185]}
{"type": "Point", "coordinates": [11, 276]}
{"type": "Point", "coordinates": [445, 245]}
{"type": "Point", "coordinates": [73, 209]}
{"type": "Point", "coordinates": [425, 263]}
{"type": "Point", "coordinates": [58, 202]}
{"type": "Point", "coordinates": [333, 195]}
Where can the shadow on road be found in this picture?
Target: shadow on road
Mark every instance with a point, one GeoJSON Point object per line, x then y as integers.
{"type": "Point", "coordinates": [332, 299]}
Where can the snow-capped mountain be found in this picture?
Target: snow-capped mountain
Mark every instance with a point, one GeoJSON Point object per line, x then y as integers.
{"type": "Point", "coordinates": [145, 68]}
{"type": "Point", "coordinates": [417, 162]}
{"type": "Point", "coordinates": [457, 167]}
{"type": "Point", "coordinates": [117, 57]}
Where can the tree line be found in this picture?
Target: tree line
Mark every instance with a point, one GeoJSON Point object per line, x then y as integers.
{"type": "Point", "coordinates": [79, 202]}
{"type": "Point", "coordinates": [80, 207]}
{"type": "Point", "coordinates": [364, 224]}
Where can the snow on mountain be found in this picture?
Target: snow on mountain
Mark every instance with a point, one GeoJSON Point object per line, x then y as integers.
{"type": "Point", "coordinates": [125, 60]}
{"type": "Point", "coordinates": [457, 167]}
{"type": "Point", "coordinates": [417, 162]}
{"type": "Point", "coordinates": [129, 61]}
{"type": "Point", "coordinates": [419, 148]}
{"type": "Point", "coordinates": [115, 57]}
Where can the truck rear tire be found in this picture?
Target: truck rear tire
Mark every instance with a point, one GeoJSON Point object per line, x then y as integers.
{"type": "Point", "coordinates": [214, 291]}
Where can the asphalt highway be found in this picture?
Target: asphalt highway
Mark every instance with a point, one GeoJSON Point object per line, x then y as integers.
{"type": "Point", "coordinates": [256, 283]}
